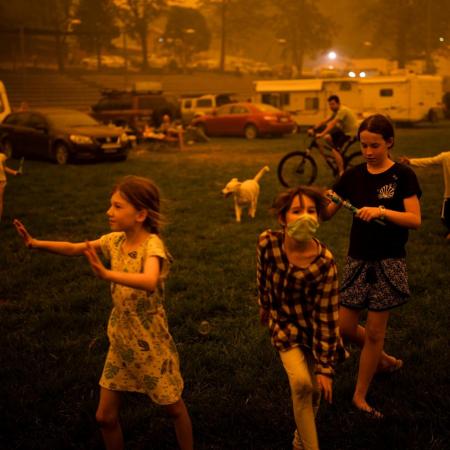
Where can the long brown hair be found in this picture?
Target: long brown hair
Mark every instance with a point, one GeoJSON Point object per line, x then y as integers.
{"type": "Point", "coordinates": [378, 124]}
{"type": "Point", "coordinates": [143, 194]}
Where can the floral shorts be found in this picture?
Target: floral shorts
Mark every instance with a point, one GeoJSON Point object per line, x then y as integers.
{"type": "Point", "coordinates": [377, 285]}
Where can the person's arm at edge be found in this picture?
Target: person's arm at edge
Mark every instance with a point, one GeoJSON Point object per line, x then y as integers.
{"type": "Point", "coordinates": [424, 162]}
{"type": "Point", "coordinates": [11, 171]}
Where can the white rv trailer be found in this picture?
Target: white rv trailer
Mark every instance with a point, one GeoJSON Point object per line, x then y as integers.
{"type": "Point", "coordinates": [408, 98]}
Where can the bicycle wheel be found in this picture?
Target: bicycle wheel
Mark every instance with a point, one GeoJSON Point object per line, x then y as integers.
{"type": "Point", "coordinates": [353, 160]}
{"type": "Point", "coordinates": [297, 168]}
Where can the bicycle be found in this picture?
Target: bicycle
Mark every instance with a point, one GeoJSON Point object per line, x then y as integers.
{"type": "Point", "coordinates": [300, 167]}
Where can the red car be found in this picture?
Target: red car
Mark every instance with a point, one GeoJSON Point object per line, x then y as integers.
{"type": "Point", "coordinates": [246, 119]}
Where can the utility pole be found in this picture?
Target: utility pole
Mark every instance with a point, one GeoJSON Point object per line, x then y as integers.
{"type": "Point", "coordinates": [22, 56]}
{"type": "Point", "coordinates": [429, 66]}
{"type": "Point", "coordinates": [223, 35]}
{"type": "Point", "coordinates": [125, 57]}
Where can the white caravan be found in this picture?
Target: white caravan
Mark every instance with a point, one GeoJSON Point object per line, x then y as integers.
{"type": "Point", "coordinates": [408, 98]}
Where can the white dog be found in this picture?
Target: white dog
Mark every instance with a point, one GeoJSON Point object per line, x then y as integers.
{"type": "Point", "coordinates": [245, 193]}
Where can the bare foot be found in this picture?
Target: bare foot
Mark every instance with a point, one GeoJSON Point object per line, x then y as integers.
{"type": "Point", "coordinates": [364, 407]}
{"type": "Point", "coordinates": [389, 364]}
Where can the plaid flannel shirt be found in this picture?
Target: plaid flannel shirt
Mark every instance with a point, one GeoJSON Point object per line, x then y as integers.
{"type": "Point", "coordinates": [302, 303]}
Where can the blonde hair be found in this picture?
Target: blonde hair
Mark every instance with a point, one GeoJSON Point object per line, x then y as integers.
{"type": "Point", "coordinates": [143, 194]}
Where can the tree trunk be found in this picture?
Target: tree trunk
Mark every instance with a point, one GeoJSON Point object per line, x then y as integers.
{"type": "Point", "coordinates": [98, 52]}
{"type": "Point", "coordinates": [400, 47]}
{"type": "Point", "coordinates": [143, 36]}
{"type": "Point", "coordinates": [300, 39]}
{"type": "Point", "coordinates": [223, 35]}
{"type": "Point", "coordinates": [59, 45]}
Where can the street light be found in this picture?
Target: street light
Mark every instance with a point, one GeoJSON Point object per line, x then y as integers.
{"type": "Point", "coordinates": [332, 55]}
{"type": "Point", "coordinates": [282, 41]}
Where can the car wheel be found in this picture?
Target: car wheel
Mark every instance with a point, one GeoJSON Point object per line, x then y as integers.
{"type": "Point", "coordinates": [61, 154]}
{"type": "Point", "coordinates": [250, 132]}
{"type": "Point", "coordinates": [433, 116]}
{"type": "Point", "coordinates": [121, 158]}
{"type": "Point", "coordinates": [8, 149]}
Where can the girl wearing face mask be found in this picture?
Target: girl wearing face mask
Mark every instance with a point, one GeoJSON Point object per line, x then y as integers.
{"type": "Point", "coordinates": [298, 299]}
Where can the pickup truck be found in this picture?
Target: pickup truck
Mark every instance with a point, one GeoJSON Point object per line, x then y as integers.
{"type": "Point", "coordinates": [135, 109]}
{"type": "Point", "coordinates": [193, 106]}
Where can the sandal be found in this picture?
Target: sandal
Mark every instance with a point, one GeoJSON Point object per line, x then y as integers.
{"type": "Point", "coordinates": [390, 368]}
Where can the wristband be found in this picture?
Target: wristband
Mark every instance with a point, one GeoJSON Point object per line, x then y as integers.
{"type": "Point", "coordinates": [382, 212]}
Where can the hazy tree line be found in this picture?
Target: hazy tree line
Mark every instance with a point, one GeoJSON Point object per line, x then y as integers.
{"type": "Point", "coordinates": [400, 29]}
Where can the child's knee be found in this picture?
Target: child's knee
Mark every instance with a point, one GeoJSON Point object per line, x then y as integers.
{"type": "Point", "coordinates": [302, 388]}
{"type": "Point", "coordinates": [106, 419]}
{"type": "Point", "coordinates": [375, 335]}
{"type": "Point", "coordinates": [175, 410]}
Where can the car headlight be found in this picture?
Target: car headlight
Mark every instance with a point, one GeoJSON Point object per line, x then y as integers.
{"type": "Point", "coordinates": [80, 139]}
{"type": "Point", "coordinates": [124, 138]}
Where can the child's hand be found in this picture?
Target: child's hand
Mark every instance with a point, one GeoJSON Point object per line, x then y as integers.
{"type": "Point", "coordinates": [96, 265]}
{"type": "Point", "coordinates": [330, 193]}
{"type": "Point", "coordinates": [369, 213]}
{"type": "Point", "coordinates": [326, 386]}
{"type": "Point", "coordinates": [27, 239]}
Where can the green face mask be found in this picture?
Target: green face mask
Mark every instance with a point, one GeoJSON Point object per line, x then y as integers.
{"type": "Point", "coordinates": [302, 229]}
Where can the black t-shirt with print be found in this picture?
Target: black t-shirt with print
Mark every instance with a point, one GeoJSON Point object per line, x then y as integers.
{"type": "Point", "coordinates": [369, 240]}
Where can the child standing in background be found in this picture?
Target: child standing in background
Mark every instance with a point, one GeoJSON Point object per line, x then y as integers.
{"type": "Point", "coordinates": [298, 298]}
{"type": "Point", "coordinates": [3, 171]}
{"type": "Point", "coordinates": [442, 159]}
{"type": "Point", "coordinates": [142, 356]}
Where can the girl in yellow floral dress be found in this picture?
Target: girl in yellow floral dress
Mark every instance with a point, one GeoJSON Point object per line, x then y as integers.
{"type": "Point", "coordinates": [142, 356]}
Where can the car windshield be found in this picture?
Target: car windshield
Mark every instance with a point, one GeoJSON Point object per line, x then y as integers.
{"type": "Point", "coordinates": [266, 108]}
{"type": "Point", "coordinates": [71, 119]}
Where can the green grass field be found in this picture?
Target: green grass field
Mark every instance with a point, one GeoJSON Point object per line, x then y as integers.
{"type": "Point", "coordinates": [53, 312]}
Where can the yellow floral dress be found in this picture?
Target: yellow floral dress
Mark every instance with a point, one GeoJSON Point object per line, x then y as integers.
{"type": "Point", "coordinates": [142, 356]}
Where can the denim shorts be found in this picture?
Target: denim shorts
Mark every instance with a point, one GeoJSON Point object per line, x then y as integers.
{"type": "Point", "coordinates": [377, 285]}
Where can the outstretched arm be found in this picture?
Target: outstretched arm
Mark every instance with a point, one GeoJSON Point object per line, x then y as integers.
{"type": "Point", "coordinates": [424, 162]}
{"type": "Point", "coordinates": [58, 247]}
{"type": "Point", "coordinates": [147, 280]}
{"type": "Point", "coordinates": [329, 126]}
{"type": "Point", "coordinates": [11, 171]}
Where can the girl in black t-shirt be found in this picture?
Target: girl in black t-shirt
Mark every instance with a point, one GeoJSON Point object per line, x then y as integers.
{"type": "Point", "coordinates": [375, 274]}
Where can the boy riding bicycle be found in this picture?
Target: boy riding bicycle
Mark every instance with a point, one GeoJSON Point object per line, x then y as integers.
{"type": "Point", "coordinates": [336, 130]}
